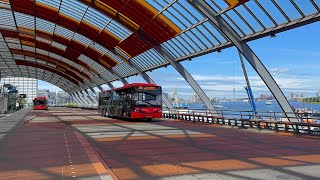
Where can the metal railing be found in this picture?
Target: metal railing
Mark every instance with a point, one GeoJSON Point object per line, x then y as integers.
{"type": "Point", "coordinates": [307, 123]}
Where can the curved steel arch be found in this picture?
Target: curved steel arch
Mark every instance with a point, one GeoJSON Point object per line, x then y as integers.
{"type": "Point", "coordinates": [49, 60]}
{"type": "Point", "coordinates": [73, 48]}
{"type": "Point", "coordinates": [151, 24]}
{"type": "Point", "coordinates": [59, 72]}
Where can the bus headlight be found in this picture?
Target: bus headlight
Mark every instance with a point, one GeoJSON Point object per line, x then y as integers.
{"type": "Point", "coordinates": [136, 110]}
{"type": "Point", "coordinates": [159, 111]}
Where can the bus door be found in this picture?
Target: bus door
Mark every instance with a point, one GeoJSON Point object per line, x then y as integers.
{"type": "Point", "coordinates": [115, 105]}
{"type": "Point", "coordinates": [126, 97]}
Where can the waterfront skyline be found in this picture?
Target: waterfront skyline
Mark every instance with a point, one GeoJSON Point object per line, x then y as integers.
{"type": "Point", "coordinates": [292, 59]}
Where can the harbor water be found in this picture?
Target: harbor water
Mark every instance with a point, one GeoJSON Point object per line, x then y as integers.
{"type": "Point", "coordinates": [261, 106]}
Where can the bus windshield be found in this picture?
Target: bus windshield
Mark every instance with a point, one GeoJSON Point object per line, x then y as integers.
{"type": "Point", "coordinates": [148, 97]}
{"type": "Point", "coordinates": [39, 102]}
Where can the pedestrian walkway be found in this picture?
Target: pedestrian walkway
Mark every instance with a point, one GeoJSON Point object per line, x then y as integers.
{"type": "Point", "coordinates": [42, 147]}
{"type": "Point", "coordinates": [8, 121]}
{"type": "Point", "coordinates": [66, 143]}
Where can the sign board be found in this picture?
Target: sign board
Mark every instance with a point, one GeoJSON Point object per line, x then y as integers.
{"type": "Point", "coordinates": [147, 88]}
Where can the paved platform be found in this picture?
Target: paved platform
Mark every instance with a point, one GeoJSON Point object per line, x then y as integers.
{"type": "Point", "coordinates": [37, 145]}
{"type": "Point", "coordinates": [44, 143]}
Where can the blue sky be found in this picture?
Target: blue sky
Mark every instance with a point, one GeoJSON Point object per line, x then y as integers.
{"type": "Point", "coordinates": [293, 59]}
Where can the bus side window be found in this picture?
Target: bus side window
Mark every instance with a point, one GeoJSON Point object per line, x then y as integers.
{"type": "Point", "coordinates": [136, 96]}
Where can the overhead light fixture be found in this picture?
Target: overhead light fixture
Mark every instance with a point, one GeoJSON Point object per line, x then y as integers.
{"type": "Point", "coordinates": [190, 59]}
{"type": "Point", "coordinates": [219, 50]}
{"type": "Point", "coordinates": [165, 66]}
{"type": "Point", "coordinates": [272, 35]}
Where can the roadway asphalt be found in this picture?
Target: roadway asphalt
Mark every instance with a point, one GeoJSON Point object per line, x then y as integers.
{"type": "Point", "coordinates": [162, 149]}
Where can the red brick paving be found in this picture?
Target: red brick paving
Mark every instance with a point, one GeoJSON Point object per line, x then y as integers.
{"type": "Point", "coordinates": [45, 150]}
{"type": "Point", "coordinates": [216, 150]}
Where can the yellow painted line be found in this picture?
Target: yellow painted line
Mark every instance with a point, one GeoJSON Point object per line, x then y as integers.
{"type": "Point", "coordinates": [168, 169]}
{"type": "Point", "coordinates": [276, 161]}
{"type": "Point", "coordinates": [220, 165]}
{"type": "Point", "coordinates": [125, 173]}
{"type": "Point", "coordinates": [315, 158]}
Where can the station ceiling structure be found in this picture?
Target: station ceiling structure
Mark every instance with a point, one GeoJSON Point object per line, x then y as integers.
{"type": "Point", "coordinates": [80, 44]}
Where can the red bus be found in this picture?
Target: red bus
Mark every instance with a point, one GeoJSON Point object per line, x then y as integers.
{"type": "Point", "coordinates": [133, 101]}
{"type": "Point", "coordinates": [40, 103]}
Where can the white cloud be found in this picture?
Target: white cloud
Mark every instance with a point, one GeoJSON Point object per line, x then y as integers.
{"type": "Point", "coordinates": [279, 70]}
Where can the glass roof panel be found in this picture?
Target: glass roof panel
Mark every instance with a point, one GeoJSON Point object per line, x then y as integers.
{"type": "Point", "coordinates": [260, 14]}
{"type": "Point", "coordinates": [7, 19]}
{"type": "Point", "coordinates": [306, 6]}
{"type": "Point", "coordinates": [58, 45]}
{"type": "Point", "coordinates": [64, 32]}
{"type": "Point", "coordinates": [40, 51]}
{"type": "Point", "coordinates": [23, 20]}
{"type": "Point", "coordinates": [158, 4]}
{"type": "Point", "coordinates": [217, 5]}
{"type": "Point", "coordinates": [290, 10]}
{"type": "Point", "coordinates": [96, 18]}
{"type": "Point", "coordinates": [73, 9]}
{"type": "Point", "coordinates": [45, 25]}
{"type": "Point", "coordinates": [249, 18]}
{"type": "Point", "coordinates": [84, 40]}
{"type": "Point", "coordinates": [52, 3]}
{"type": "Point", "coordinates": [28, 48]}
{"type": "Point", "coordinates": [118, 30]}
{"type": "Point", "coordinates": [55, 56]}
{"type": "Point", "coordinates": [273, 11]}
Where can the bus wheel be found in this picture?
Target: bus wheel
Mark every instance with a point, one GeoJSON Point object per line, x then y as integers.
{"type": "Point", "coordinates": [149, 119]}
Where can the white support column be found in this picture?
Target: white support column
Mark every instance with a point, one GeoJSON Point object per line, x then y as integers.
{"type": "Point", "coordinates": [81, 99]}
{"type": "Point", "coordinates": [91, 98]}
{"type": "Point", "coordinates": [87, 97]}
{"type": "Point", "coordinates": [220, 24]}
{"type": "Point", "coordinates": [76, 99]}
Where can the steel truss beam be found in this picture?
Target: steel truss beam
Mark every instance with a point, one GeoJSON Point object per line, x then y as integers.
{"type": "Point", "coordinates": [76, 99]}
{"type": "Point", "coordinates": [89, 96]}
{"type": "Point", "coordinates": [84, 102]}
{"type": "Point", "coordinates": [252, 58]}
{"type": "Point", "coordinates": [184, 73]}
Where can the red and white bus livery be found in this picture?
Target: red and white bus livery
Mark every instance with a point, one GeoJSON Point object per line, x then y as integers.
{"type": "Point", "coordinates": [133, 101]}
{"type": "Point", "coordinates": [40, 103]}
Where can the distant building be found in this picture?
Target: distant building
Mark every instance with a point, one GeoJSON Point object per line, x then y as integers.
{"type": "Point", "coordinates": [62, 98]}
{"type": "Point", "coordinates": [43, 92]}
{"type": "Point", "coordinates": [194, 98]}
{"type": "Point", "coordinates": [26, 86]}
{"type": "Point", "coordinates": [175, 95]}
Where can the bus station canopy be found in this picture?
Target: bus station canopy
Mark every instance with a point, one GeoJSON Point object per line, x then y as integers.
{"type": "Point", "coordinates": [79, 44]}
